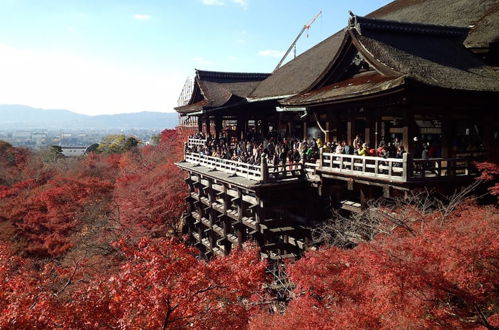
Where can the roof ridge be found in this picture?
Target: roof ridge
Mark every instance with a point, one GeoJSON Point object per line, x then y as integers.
{"type": "Point", "coordinates": [361, 23]}
{"type": "Point", "coordinates": [203, 74]}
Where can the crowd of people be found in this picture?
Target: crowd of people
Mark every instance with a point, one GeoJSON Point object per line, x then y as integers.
{"type": "Point", "coordinates": [278, 150]}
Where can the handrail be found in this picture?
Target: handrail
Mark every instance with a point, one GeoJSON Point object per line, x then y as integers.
{"type": "Point", "coordinates": [196, 142]}
{"type": "Point", "coordinates": [395, 169]}
{"type": "Point", "coordinates": [262, 172]}
{"type": "Point", "coordinates": [392, 169]}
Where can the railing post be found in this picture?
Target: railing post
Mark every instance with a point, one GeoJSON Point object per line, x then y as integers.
{"type": "Point", "coordinates": [321, 157]}
{"type": "Point", "coordinates": [185, 149]}
{"type": "Point", "coordinates": [406, 166]}
{"type": "Point", "coordinates": [264, 169]}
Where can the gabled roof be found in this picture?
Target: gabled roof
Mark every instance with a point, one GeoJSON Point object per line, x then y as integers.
{"type": "Point", "coordinates": [430, 54]}
{"type": "Point", "coordinates": [214, 89]}
{"type": "Point", "coordinates": [446, 12]}
{"type": "Point", "coordinates": [398, 52]}
{"type": "Point", "coordinates": [298, 75]}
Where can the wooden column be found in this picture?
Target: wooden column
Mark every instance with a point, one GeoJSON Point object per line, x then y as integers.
{"type": "Point", "coordinates": [207, 124]}
{"type": "Point", "coordinates": [305, 129]}
{"type": "Point", "coordinates": [447, 134]}
{"type": "Point", "coordinates": [245, 127]}
{"type": "Point", "coordinates": [218, 126]}
{"type": "Point", "coordinates": [370, 129]}
{"type": "Point", "coordinates": [341, 133]}
{"type": "Point", "coordinates": [351, 131]}
{"type": "Point", "coordinates": [409, 131]}
{"type": "Point", "coordinates": [328, 137]}
{"type": "Point", "coordinates": [239, 127]}
{"type": "Point", "coordinates": [200, 124]}
{"type": "Point", "coordinates": [265, 127]}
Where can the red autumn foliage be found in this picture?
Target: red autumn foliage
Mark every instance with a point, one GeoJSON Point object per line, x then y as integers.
{"type": "Point", "coordinates": [443, 276]}
{"type": "Point", "coordinates": [150, 191]}
{"type": "Point", "coordinates": [45, 210]}
{"type": "Point", "coordinates": [490, 172]}
{"type": "Point", "coordinates": [160, 284]}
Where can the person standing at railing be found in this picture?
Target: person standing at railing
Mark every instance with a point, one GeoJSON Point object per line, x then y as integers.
{"type": "Point", "coordinates": [364, 150]}
{"type": "Point", "coordinates": [347, 149]}
{"type": "Point", "coordinates": [340, 148]}
{"type": "Point", "coordinates": [400, 152]}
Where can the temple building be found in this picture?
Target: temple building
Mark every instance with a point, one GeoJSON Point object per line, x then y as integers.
{"type": "Point", "coordinates": [419, 76]}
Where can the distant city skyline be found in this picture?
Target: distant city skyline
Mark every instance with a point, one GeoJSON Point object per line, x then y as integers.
{"type": "Point", "coordinates": [118, 56]}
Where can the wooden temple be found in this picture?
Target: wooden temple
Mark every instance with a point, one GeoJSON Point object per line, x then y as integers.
{"type": "Point", "coordinates": [410, 69]}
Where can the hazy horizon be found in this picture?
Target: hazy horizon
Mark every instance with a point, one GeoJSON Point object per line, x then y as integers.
{"type": "Point", "coordinates": [120, 56]}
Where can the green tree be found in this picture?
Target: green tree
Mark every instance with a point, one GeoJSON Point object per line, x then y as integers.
{"type": "Point", "coordinates": [112, 144]}
{"type": "Point", "coordinates": [131, 142]}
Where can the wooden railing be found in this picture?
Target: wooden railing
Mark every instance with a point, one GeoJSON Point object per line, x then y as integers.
{"type": "Point", "coordinates": [442, 167]}
{"type": "Point", "coordinates": [395, 169]}
{"type": "Point", "coordinates": [387, 169]}
{"type": "Point", "coordinates": [196, 142]}
{"type": "Point", "coordinates": [262, 172]}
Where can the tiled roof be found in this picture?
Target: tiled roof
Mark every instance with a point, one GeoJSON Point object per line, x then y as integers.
{"type": "Point", "coordinates": [298, 75]}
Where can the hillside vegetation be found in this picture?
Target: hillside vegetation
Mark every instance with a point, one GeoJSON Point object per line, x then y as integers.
{"type": "Point", "coordinates": [96, 243]}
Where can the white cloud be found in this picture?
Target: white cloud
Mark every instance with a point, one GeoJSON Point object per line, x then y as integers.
{"type": "Point", "coordinates": [271, 53]}
{"type": "Point", "coordinates": [242, 3]}
{"type": "Point", "coordinates": [142, 17]}
{"type": "Point", "coordinates": [212, 2]}
{"type": "Point", "coordinates": [199, 60]}
{"type": "Point", "coordinates": [61, 81]}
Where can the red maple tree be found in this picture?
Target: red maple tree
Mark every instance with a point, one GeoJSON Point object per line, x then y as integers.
{"type": "Point", "coordinates": [437, 275]}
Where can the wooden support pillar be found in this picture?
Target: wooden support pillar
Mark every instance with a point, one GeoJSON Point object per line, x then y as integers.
{"type": "Point", "coordinates": [210, 192]}
{"type": "Point", "coordinates": [240, 205]}
{"type": "Point", "coordinates": [364, 197]}
{"type": "Point", "coordinates": [447, 136]}
{"type": "Point", "coordinates": [245, 128]}
{"type": "Point", "coordinates": [240, 234]}
{"type": "Point", "coordinates": [382, 133]}
{"type": "Point", "coordinates": [367, 135]}
{"type": "Point", "coordinates": [265, 127]}
{"type": "Point", "coordinates": [409, 131]}
{"type": "Point", "coordinates": [210, 232]}
{"type": "Point", "coordinates": [369, 132]}
{"type": "Point", "coordinates": [207, 124]}
{"type": "Point", "coordinates": [239, 127]}
{"type": "Point", "coordinates": [200, 124]}
{"type": "Point", "coordinates": [226, 199]}
{"type": "Point", "coordinates": [305, 130]}
{"type": "Point", "coordinates": [328, 137]}
{"type": "Point", "coordinates": [218, 126]}
{"type": "Point", "coordinates": [340, 127]}
{"type": "Point", "coordinates": [259, 214]}
{"type": "Point", "coordinates": [226, 227]}
{"type": "Point", "coordinates": [351, 131]}
{"type": "Point", "coordinates": [290, 129]}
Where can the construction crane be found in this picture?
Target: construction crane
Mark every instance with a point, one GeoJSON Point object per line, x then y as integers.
{"type": "Point", "coordinates": [293, 45]}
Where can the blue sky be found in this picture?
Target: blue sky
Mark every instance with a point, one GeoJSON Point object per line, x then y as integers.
{"type": "Point", "coordinates": [112, 56]}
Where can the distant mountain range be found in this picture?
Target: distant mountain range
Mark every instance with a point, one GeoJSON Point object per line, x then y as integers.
{"type": "Point", "coordinates": [25, 117]}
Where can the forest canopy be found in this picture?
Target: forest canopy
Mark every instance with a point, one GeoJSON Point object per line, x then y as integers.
{"type": "Point", "coordinates": [95, 242]}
